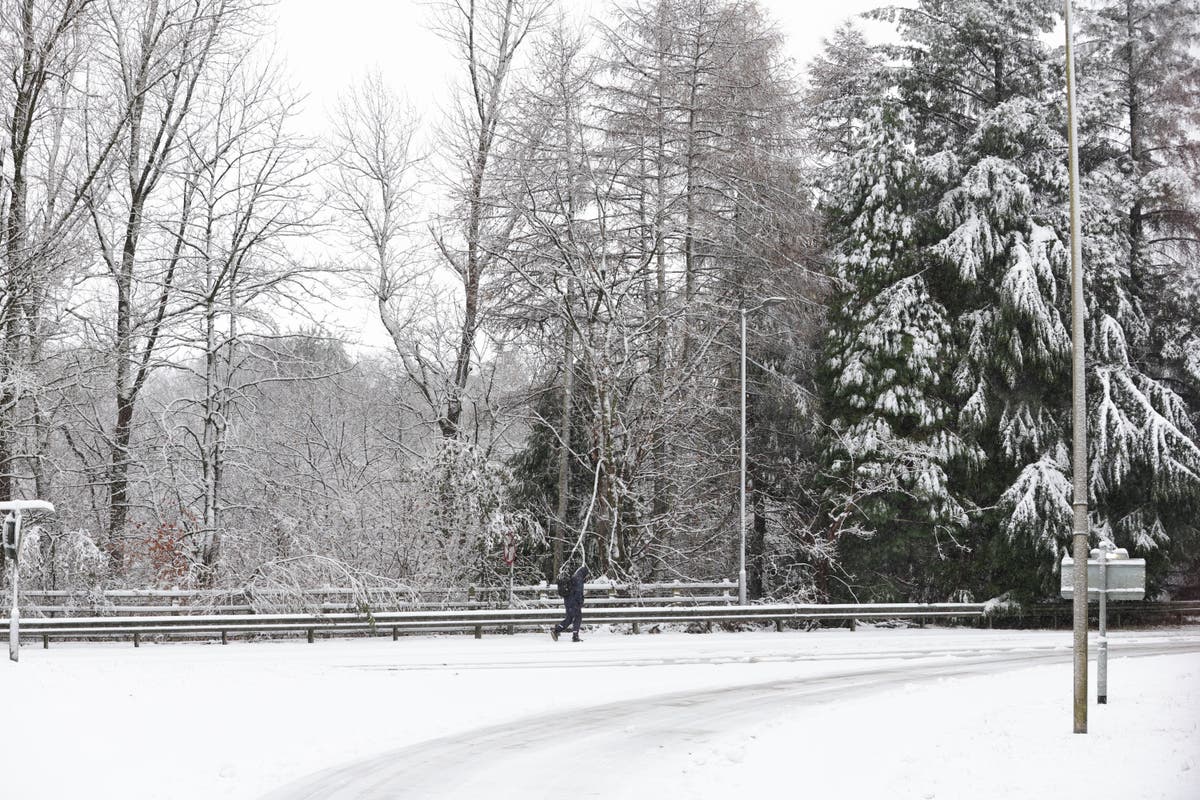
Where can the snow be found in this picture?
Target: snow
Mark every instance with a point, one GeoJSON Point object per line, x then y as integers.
{"type": "Point", "coordinates": [928, 711]}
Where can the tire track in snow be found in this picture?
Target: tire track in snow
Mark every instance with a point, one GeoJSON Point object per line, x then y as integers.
{"type": "Point", "coordinates": [533, 757]}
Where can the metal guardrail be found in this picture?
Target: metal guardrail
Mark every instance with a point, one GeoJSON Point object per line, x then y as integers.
{"type": "Point", "coordinates": [248, 601]}
{"type": "Point", "coordinates": [475, 620]}
{"type": "Point", "coordinates": [603, 610]}
{"type": "Point", "coordinates": [1176, 610]}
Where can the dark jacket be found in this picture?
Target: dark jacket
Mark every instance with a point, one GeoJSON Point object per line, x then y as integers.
{"type": "Point", "coordinates": [577, 580]}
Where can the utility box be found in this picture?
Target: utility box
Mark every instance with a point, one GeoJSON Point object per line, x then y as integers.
{"type": "Point", "coordinates": [1125, 577]}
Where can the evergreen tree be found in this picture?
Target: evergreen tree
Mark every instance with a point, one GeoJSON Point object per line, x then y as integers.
{"type": "Point", "coordinates": [982, 264]}
{"type": "Point", "coordinates": [984, 229]}
{"type": "Point", "coordinates": [843, 87]}
{"type": "Point", "coordinates": [891, 443]}
{"type": "Point", "coordinates": [1142, 244]}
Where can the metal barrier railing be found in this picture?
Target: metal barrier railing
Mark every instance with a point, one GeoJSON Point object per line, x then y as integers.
{"type": "Point", "coordinates": [50, 603]}
{"type": "Point", "coordinates": [542, 614]}
{"type": "Point", "coordinates": [477, 619]}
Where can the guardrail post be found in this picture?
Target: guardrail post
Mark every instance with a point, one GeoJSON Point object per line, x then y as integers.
{"type": "Point", "coordinates": [395, 634]}
{"type": "Point", "coordinates": [310, 635]}
{"type": "Point", "coordinates": [637, 628]}
{"type": "Point", "coordinates": [45, 642]}
{"type": "Point", "coordinates": [224, 638]}
{"type": "Point", "coordinates": [470, 601]}
{"type": "Point", "coordinates": [779, 626]}
{"type": "Point", "coordinates": [137, 639]}
{"type": "Point", "coordinates": [853, 624]}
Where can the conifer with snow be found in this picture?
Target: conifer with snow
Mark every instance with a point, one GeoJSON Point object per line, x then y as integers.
{"type": "Point", "coordinates": [891, 444]}
{"type": "Point", "coordinates": [1142, 249]}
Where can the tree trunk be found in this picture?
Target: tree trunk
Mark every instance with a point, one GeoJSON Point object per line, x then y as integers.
{"type": "Point", "coordinates": [564, 441]}
{"type": "Point", "coordinates": [756, 548]}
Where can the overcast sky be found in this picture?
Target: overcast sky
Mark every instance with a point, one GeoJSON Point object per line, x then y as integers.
{"type": "Point", "coordinates": [328, 45]}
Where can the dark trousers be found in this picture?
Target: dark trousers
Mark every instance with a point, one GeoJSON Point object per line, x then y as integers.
{"type": "Point", "coordinates": [574, 617]}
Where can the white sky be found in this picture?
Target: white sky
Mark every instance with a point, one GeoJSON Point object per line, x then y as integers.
{"type": "Point", "coordinates": [327, 45]}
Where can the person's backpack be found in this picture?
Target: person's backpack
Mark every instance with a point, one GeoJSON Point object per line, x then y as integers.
{"type": "Point", "coordinates": [564, 585]}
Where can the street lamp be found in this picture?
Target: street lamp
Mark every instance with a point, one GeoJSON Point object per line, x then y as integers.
{"type": "Point", "coordinates": [1079, 498]}
{"type": "Point", "coordinates": [742, 517]}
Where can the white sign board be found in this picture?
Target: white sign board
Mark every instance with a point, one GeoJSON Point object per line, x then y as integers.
{"type": "Point", "coordinates": [1125, 576]}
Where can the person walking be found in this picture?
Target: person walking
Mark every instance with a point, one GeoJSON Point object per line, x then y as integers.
{"type": "Point", "coordinates": [573, 599]}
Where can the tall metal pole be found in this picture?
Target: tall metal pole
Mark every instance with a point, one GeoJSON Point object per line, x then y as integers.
{"type": "Point", "coordinates": [742, 515]}
{"type": "Point", "coordinates": [1102, 656]}
{"type": "Point", "coordinates": [14, 616]}
{"type": "Point", "coordinates": [1079, 500]}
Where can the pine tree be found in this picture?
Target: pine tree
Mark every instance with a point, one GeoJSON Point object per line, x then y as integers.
{"type": "Point", "coordinates": [843, 86]}
{"type": "Point", "coordinates": [1005, 263]}
{"type": "Point", "coordinates": [891, 444]}
{"type": "Point", "coordinates": [1142, 245]}
{"type": "Point", "coordinates": [983, 244]}
{"type": "Point", "coordinates": [985, 95]}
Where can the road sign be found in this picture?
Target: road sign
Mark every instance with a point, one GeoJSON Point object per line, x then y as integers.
{"type": "Point", "coordinates": [1111, 575]}
{"type": "Point", "coordinates": [12, 548]}
{"type": "Point", "coordinates": [1125, 578]}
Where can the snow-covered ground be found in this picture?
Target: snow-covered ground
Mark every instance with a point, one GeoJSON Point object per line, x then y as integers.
{"type": "Point", "coordinates": [876, 713]}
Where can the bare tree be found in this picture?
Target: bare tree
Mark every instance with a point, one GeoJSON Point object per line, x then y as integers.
{"type": "Point", "coordinates": [486, 35]}
{"type": "Point", "coordinates": [374, 163]}
{"type": "Point", "coordinates": [246, 195]}
{"type": "Point", "coordinates": [157, 57]}
{"type": "Point", "coordinates": [41, 179]}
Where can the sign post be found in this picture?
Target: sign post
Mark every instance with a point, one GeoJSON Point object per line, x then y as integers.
{"type": "Point", "coordinates": [1111, 574]}
{"type": "Point", "coordinates": [510, 558]}
{"type": "Point", "coordinates": [12, 550]}
{"type": "Point", "coordinates": [1102, 656]}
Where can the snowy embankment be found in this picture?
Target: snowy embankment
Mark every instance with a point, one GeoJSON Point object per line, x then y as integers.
{"type": "Point", "coordinates": [951, 714]}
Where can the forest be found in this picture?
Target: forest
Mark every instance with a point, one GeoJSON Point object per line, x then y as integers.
{"type": "Point", "coordinates": [567, 258]}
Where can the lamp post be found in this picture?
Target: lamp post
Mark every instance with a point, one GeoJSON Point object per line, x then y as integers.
{"type": "Point", "coordinates": [1079, 498]}
{"type": "Point", "coordinates": [742, 483]}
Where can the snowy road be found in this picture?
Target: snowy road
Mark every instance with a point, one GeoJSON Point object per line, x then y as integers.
{"type": "Point", "coordinates": [937, 714]}
{"type": "Point", "coordinates": [618, 749]}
